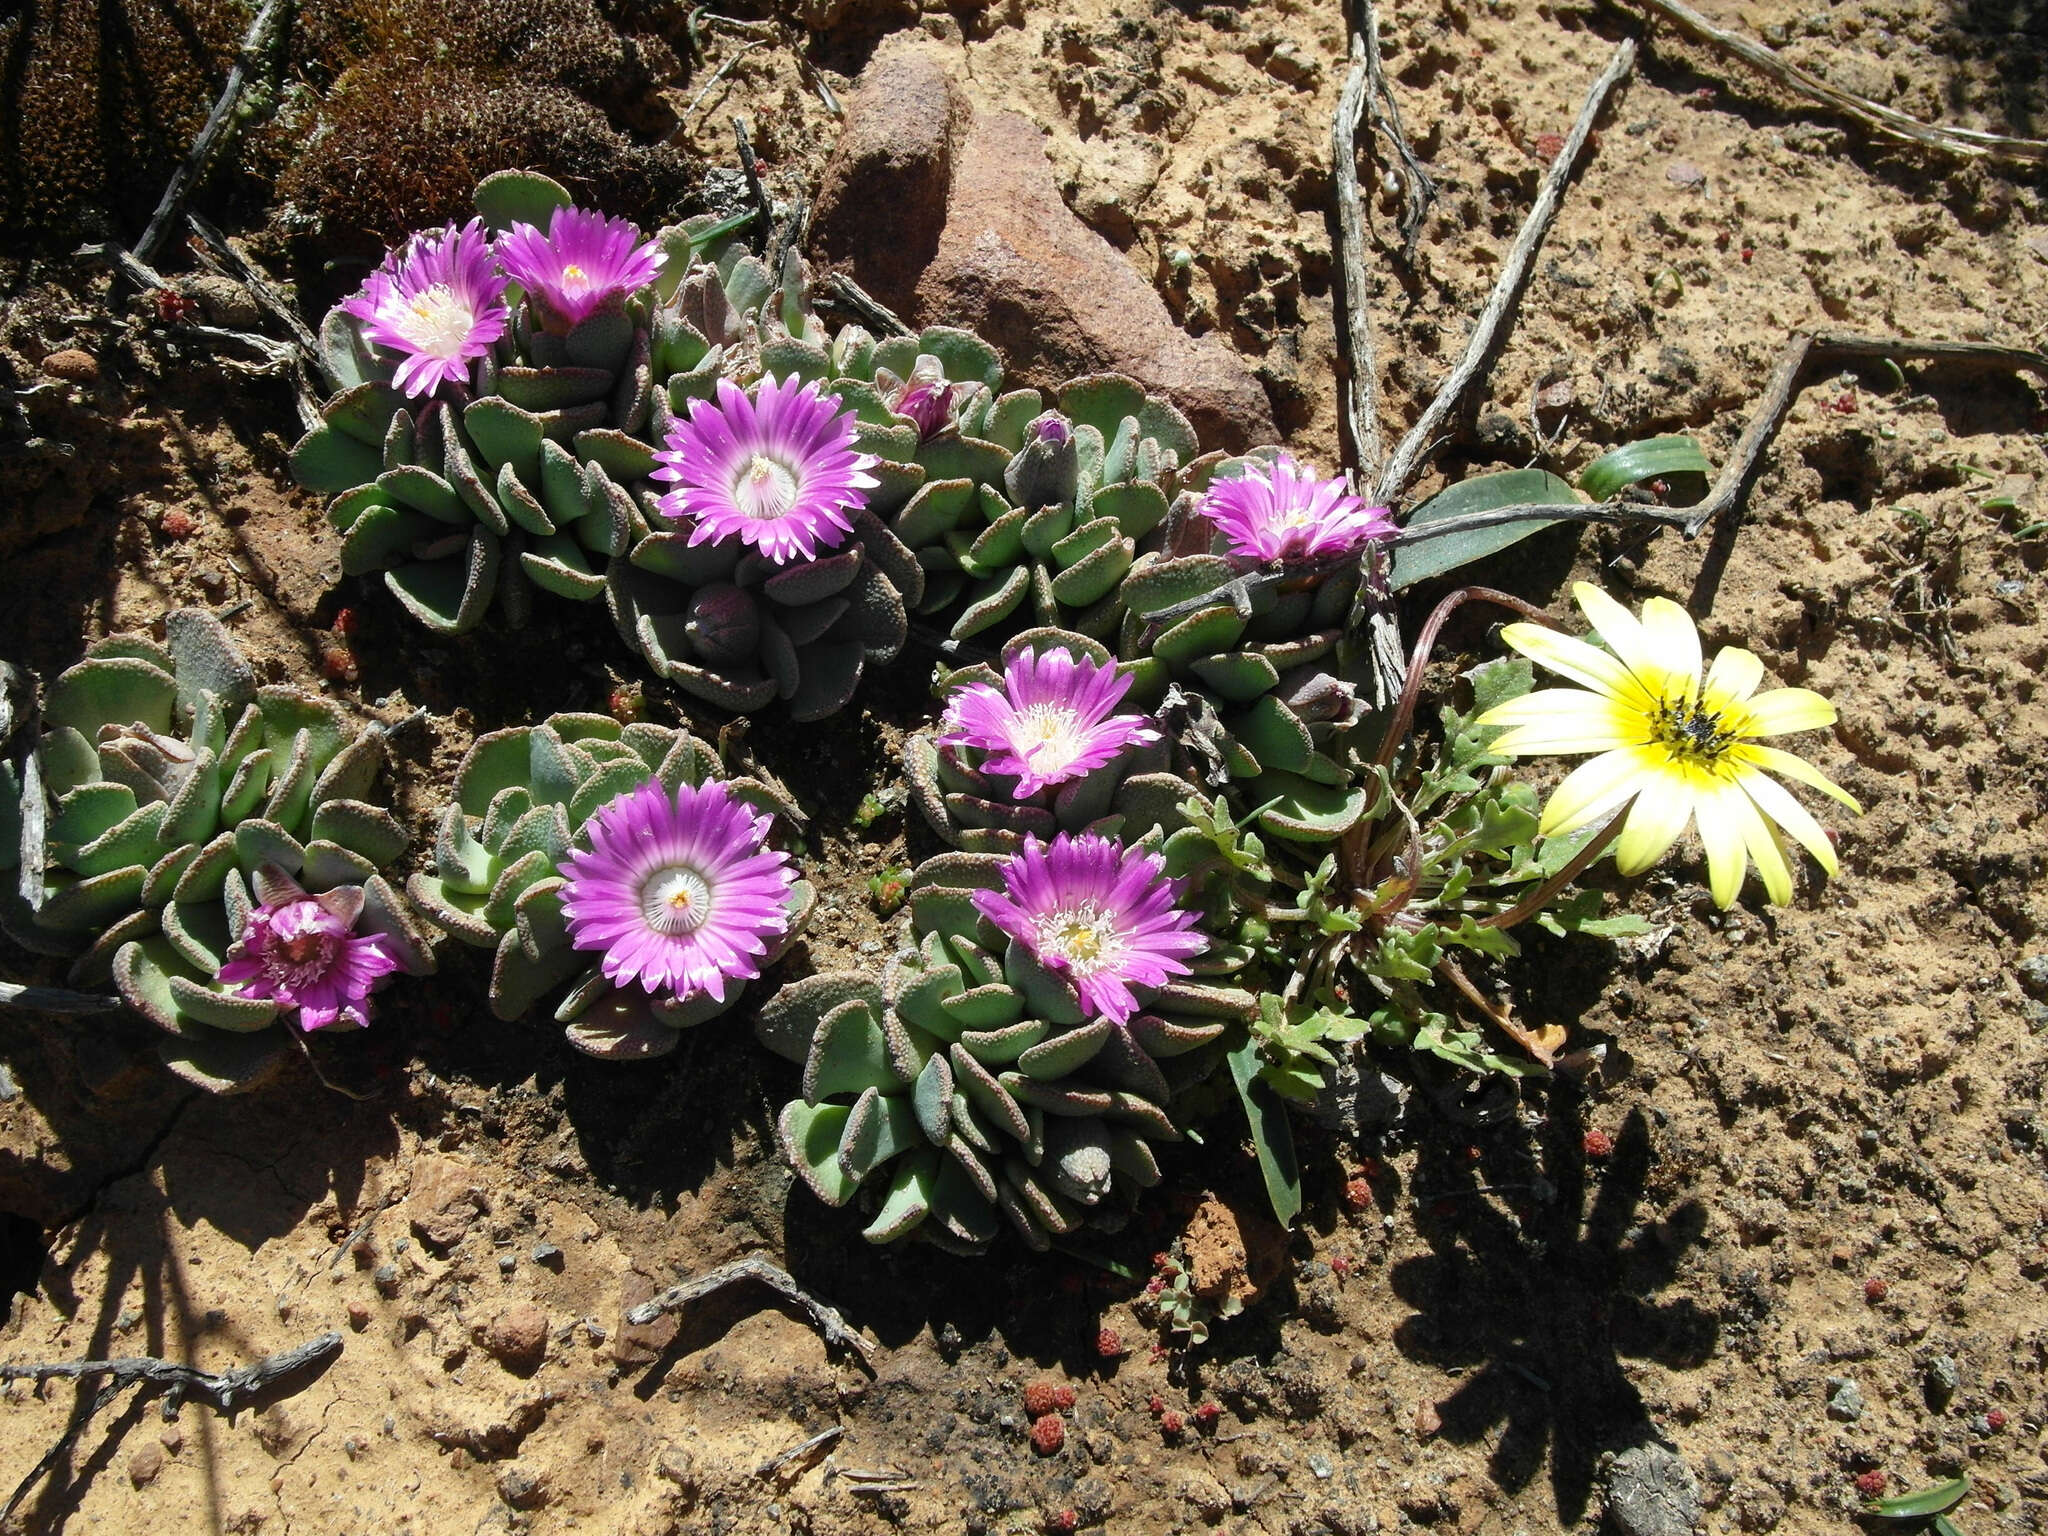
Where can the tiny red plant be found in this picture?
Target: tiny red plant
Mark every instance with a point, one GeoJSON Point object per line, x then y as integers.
{"type": "Point", "coordinates": [1042, 1397]}
{"type": "Point", "coordinates": [346, 622]}
{"type": "Point", "coordinates": [1207, 1414]}
{"type": "Point", "coordinates": [1048, 1434]}
{"type": "Point", "coordinates": [1870, 1484]}
{"type": "Point", "coordinates": [1171, 1423]}
{"type": "Point", "coordinates": [178, 524]}
{"type": "Point", "coordinates": [1064, 1520]}
{"type": "Point", "coordinates": [1109, 1344]}
{"type": "Point", "coordinates": [1996, 1419]}
{"type": "Point", "coordinates": [1358, 1195]}
{"type": "Point", "coordinates": [1875, 1290]}
{"type": "Point", "coordinates": [1599, 1145]}
{"type": "Point", "coordinates": [1155, 1405]}
{"type": "Point", "coordinates": [338, 663]}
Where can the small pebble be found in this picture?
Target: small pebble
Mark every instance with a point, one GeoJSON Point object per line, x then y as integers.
{"type": "Point", "coordinates": [1845, 1400]}
{"type": "Point", "coordinates": [71, 364]}
{"type": "Point", "coordinates": [548, 1254]}
{"type": "Point", "coordinates": [386, 1276]}
{"type": "Point", "coordinates": [1940, 1381]}
{"type": "Point", "coordinates": [507, 1262]}
{"type": "Point", "coordinates": [145, 1464]}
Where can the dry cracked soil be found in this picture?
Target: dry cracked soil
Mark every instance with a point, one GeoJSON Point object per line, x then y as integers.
{"type": "Point", "coordinates": [1793, 1232]}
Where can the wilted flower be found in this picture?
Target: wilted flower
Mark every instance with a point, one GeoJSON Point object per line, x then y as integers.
{"type": "Point", "coordinates": [778, 472]}
{"type": "Point", "coordinates": [304, 952]}
{"type": "Point", "coordinates": [679, 892]}
{"type": "Point", "coordinates": [1100, 914]}
{"type": "Point", "coordinates": [1050, 721]}
{"type": "Point", "coordinates": [1682, 746]}
{"type": "Point", "coordinates": [583, 262]}
{"type": "Point", "coordinates": [1280, 511]}
{"type": "Point", "coordinates": [440, 300]}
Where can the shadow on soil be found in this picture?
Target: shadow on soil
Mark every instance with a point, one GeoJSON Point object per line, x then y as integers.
{"type": "Point", "coordinates": [1542, 1279]}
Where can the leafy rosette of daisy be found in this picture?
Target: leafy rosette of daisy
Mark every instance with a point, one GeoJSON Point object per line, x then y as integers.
{"type": "Point", "coordinates": [615, 870]}
{"type": "Point", "coordinates": [537, 474]}
{"type": "Point", "coordinates": [166, 806]}
{"type": "Point", "coordinates": [972, 1084]}
{"type": "Point", "coordinates": [1677, 743]}
{"type": "Point", "coordinates": [1046, 740]}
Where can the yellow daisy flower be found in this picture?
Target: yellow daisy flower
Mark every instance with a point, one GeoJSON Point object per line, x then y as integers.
{"type": "Point", "coordinates": [1681, 745]}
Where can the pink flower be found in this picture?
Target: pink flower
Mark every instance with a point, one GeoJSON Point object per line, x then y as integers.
{"type": "Point", "coordinates": [1050, 722]}
{"type": "Point", "coordinates": [778, 472]}
{"type": "Point", "coordinates": [582, 263]}
{"type": "Point", "coordinates": [679, 893]}
{"type": "Point", "coordinates": [440, 301]}
{"type": "Point", "coordinates": [1281, 511]}
{"type": "Point", "coordinates": [305, 953]}
{"type": "Point", "coordinates": [1099, 913]}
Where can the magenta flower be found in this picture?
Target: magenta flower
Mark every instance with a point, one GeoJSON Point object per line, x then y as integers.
{"type": "Point", "coordinates": [1281, 511]}
{"type": "Point", "coordinates": [926, 398]}
{"type": "Point", "coordinates": [582, 263]}
{"type": "Point", "coordinates": [1050, 722]}
{"type": "Point", "coordinates": [439, 300]}
{"type": "Point", "coordinates": [779, 471]}
{"type": "Point", "coordinates": [1101, 914]}
{"type": "Point", "coordinates": [678, 892]}
{"type": "Point", "coordinates": [305, 953]}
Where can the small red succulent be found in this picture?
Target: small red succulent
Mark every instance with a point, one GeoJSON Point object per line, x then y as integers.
{"type": "Point", "coordinates": [1996, 1419]}
{"type": "Point", "coordinates": [177, 523]}
{"type": "Point", "coordinates": [1109, 1344]}
{"type": "Point", "coordinates": [1358, 1195]}
{"type": "Point", "coordinates": [1875, 1290]}
{"type": "Point", "coordinates": [1063, 1520]}
{"type": "Point", "coordinates": [1171, 1424]}
{"type": "Point", "coordinates": [1871, 1484]}
{"type": "Point", "coordinates": [1042, 1397]}
{"type": "Point", "coordinates": [1048, 1434]}
{"type": "Point", "coordinates": [1599, 1145]}
{"type": "Point", "coordinates": [1207, 1415]}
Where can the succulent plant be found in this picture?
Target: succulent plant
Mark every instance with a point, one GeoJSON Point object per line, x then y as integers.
{"type": "Point", "coordinates": [524, 799]}
{"type": "Point", "coordinates": [969, 1085]}
{"type": "Point", "coordinates": [167, 795]}
{"type": "Point", "coordinates": [529, 481]}
{"type": "Point", "coordinates": [978, 810]}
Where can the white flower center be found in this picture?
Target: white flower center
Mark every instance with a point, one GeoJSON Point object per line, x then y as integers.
{"type": "Point", "coordinates": [574, 279]}
{"type": "Point", "coordinates": [675, 901]}
{"type": "Point", "coordinates": [1085, 937]}
{"type": "Point", "coordinates": [436, 321]}
{"type": "Point", "coordinates": [765, 489]}
{"type": "Point", "coordinates": [1047, 736]}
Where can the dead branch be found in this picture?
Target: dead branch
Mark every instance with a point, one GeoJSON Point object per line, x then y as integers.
{"type": "Point", "coordinates": [1360, 408]}
{"type": "Point", "coordinates": [55, 1000]}
{"type": "Point", "coordinates": [1802, 352]}
{"type": "Point", "coordinates": [848, 295]}
{"type": "Point", "coordinates": [225, 1392]}
{"type": "Point", "coordinates": [216, 254]}
{"type": "Point", "coordinates": [1969, 143]}
{"type": "Point", "coordinates": [717, 75]}
{"type": "Point", "coordinates": [764, 226]}
{"type": "Point", "coordinates": [826, 1319]}
{"type": "Point", "coordinates": [1418, 189]}
{"type": "Point", "coordinates": [799, 1452]}
{"type": "Point", "coordinates": [216, 125]}
{"type": "Point", "coordinates": [1507, 291]}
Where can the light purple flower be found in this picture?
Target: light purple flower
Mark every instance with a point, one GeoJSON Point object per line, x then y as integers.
{"type": "Point", "coordinates": [440, 300]}
{"type": "Point", "coordinates": [1051, 428]}
{"type": "Point", "coordinates": [582, 263]}
{"type": "Point", "coordinates": [1050, 721]}
{"type": "Point", "coordinates": [305, 953]}
{"type": "Point", "coordinates": [679, 892]}
{"type": "Point", "coordinates": [1281, 511]}
{"type": "Point", "coordinates": [779, 471]}
{"type": "Point", "coordinates": [926, 398]}
{"type": "Point", "coordinates": [1099, 913]}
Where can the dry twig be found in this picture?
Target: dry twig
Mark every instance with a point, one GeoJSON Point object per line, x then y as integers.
{"type": "Point", "coordinates": [225, 1392]}
{"type": "Point", "coordinates": [1359, 409]}
{"type": "Point", "coordinates": [1967, 142]}
{"type": "Point", "coordinates": [56, 1000]}
{"type": "Point", "coordinates": [1507, 291]}
{"type": "Point", "coordinates": [848, 295]}
{"type": "Point", "coordinates": [826, 1319]}
{"type": "Point", "coordinates": [217, 124]}
{"type": "Point", "coordinates": [1801, 353]}
{"type": "Point", "coordinates": [799, 1452]}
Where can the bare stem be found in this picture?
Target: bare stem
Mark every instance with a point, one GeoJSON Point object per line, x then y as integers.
{"type": "Point", "coordinates": [1507, 291]}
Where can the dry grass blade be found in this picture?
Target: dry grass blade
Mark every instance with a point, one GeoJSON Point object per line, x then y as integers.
{"type": "Point", "coordinates": [1967, 142]}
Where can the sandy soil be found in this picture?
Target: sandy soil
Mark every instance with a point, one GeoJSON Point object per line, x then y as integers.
{"type": "Point", "coordinates": [1816, 1190]}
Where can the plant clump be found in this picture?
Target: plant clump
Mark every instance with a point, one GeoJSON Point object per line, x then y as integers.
{"type": "Point", "coordinates": [208, 846]}
{"type": "Point", "coordinates": [617, 869]}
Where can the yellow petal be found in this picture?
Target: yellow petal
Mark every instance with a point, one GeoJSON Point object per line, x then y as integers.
{"type": "Point", "coordinates": [1787, 709]}
{"type": "Point", "coordinates": [1594, 788]}
{"type": "Point", "coordinates": [1617, 626]}
{"type": "Point", "coordinates": [1582, 663]}
{"type": "Point", "coordinates": [1763, 844]}
{"type": "Point", "coordinates": [1798, 769]}
{"type": "Point", "coordinates": [1654, 822]}
{"type": "Point", "coordinates": [1562, 720]}
{"type": "Point", "coordinates": [1776, 802]}
{"type": "Point", "coordinates": [1673, 641]}
{"type": "Point", "coordinates": [1734, 675]}
{"type": "Point", "coordinates": [1727, 853]}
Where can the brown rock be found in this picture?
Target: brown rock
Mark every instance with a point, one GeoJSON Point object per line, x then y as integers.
{"type": "Point", "coordinates": [1232, 1250]}
{"type": "Point", "coordinates": [79, 367]}
{"type": "Point", "coordinates": [145, 1464]}
{"type": "Point", "coordinates": [444, 1201]}
{"type": "Point", "coordinates": [517, 1338]}
{"type": "Point", "coordinates": [1017, 266]}
{"type": "Point", "coordinates": [882, 201]}
{"type": "Point", "coordinates": [641, 1343]}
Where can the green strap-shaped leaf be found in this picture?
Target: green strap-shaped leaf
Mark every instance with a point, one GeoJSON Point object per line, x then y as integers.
{"type": "Point", "coordinates": [1272, 1136]}
{"type": "Point", "coordinates": [1482, 493]}
{"type": "Point", "coordinates": [1632, 463]}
